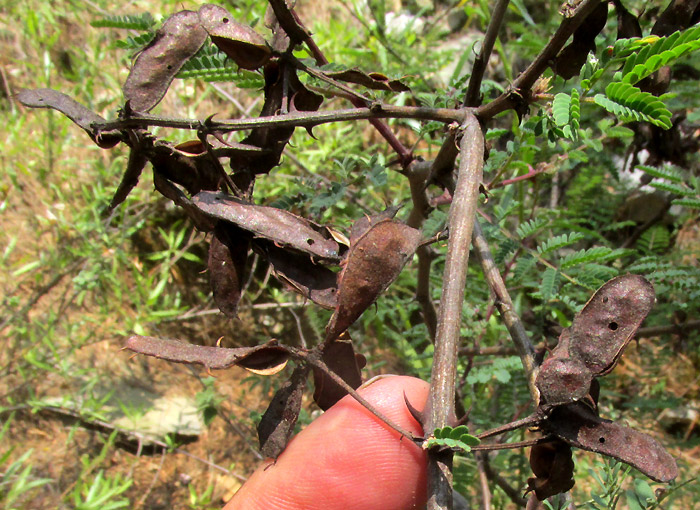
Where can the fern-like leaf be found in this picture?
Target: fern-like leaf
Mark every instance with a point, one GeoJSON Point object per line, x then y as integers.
{"type": "Point", "coordinates": [667, 172]}
{"type": "Point", "coordinates": [687, 202]}
{"type": "Point", "coordinates": [629, 103]}
{"type": "Point", "coordinates": [209, 64]}
{"type": "Point", "coordinates": [126, 21]}
{"type": "Point", "coordinates": [566, 110]}
{"type": "Point", "coordinates": [676, 189]}
{"type": "Point", "coordinates": [585, 256]}
{"type": "Point", "coordinates": [662, 52]}
{"type": "Point", "coordinates": [558, 242]}
{"type": "Point", "coordinates": [550, 283]}
{"type": "Point", "coordinates": [530, 227]}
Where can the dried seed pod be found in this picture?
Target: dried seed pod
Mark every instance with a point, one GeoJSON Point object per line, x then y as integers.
{"type": "Point", "coordinates": [627, 23]}
{"type": "Point", "coordinates": [341, 358]}
{"type": "Point", "coordinates": [580, 426]}
{"type": "Point", "coordinates": [180, 37]}
{"type": "Point", "coordinates": [602, 330]}
{"type": "Point", "coordinates": [277, 424]}
{"type": "Point", "coordinates": [265, 359]}
{"type": "Point", "coordinates": [228, 254]}
{"type": "Point", "coordinates": [553, 466]}
{"type": "Point", "coordinates": [373, 263]}
{"type": "Point", "coordinates": [79, 114]}
{"type": "Point", "coordinates": [240, 42]}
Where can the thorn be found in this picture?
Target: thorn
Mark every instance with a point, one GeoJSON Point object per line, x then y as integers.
{"type": "Point", "coordinates": [133, 356]}
{"type": "Point", "coordinates": [417, 415]}
{"type": "Point", "coordinates": [209, 372]}
{"type": "Point", "coordinates": [218, 342]}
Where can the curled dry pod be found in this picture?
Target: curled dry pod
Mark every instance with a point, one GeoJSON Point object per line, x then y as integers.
{"type": "Point", "coordinates": [228, 254]}
{"type": "Point", "coordinates": [264, 359]}
{"type": "Point", "coordinates": [277, 424]}
{"type": "Point", "coordinates": [553, 466]}
{"type": "Point", "coordinates": [571, 59]}
{"type": "Point", "coordinates": [593, 24]}
{"type": "Point", "coordinates": [241, 43]}
{"type": "Point", "coordinates": [176, 41]}
{"type": "Point", "coordinates": [340, 357]}
{"type": "Point", "coordinates": [627, 23]}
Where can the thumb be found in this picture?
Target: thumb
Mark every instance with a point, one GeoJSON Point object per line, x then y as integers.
{"type": "Point", "coordinates": [348, 459]}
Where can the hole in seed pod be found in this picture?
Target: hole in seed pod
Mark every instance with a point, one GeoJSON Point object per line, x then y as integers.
{"type": "Point", "coordinates": [225, 20]}
{"type": "Point", "coordinates": [601, 440]}
{"type": "Point", "coordinates": [309, 242]}
{"type": "Point", "coordinates": [612, 326]}
{"type": "Point", "coordinates": [605, 300]}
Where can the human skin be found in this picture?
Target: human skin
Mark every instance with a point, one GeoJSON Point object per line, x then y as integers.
{"type": "Point", "coordinates": [348, 459]}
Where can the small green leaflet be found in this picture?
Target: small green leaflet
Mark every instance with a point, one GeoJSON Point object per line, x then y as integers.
{"type": "Point", "coordinates": [456, 439]}
{"type": "Point", "coordinates": [566, 110]}
{"type": "Point", "coordinates": [126, 21]}
{"type": "Point", "coordinates": [629, 103]}
{"type": "Point", "coordinates": [659, 53]}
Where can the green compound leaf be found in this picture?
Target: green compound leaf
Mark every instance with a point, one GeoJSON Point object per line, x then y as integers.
{"type": "Point", "coordinates": [127, 21]}
{"type": "Point", "coordinates": [629, 104]}
{"type": "Point", "coordinates": [658, 53]}
{"type": "Point", "coordinates": [211, 65]}
{"type": "Point", "coordinates": [558, 242]}
{"type": "Point", "coordinates": [584, 256]}
{"type": "Point", "coordinates": [550, 283]}
{"type": "Point", "coordinates": [672, 188]}
{"type": "Point", "coordinates": [457, 439]}
{"type": "Point", "coordinates": [668, 173]}
{"type": "Point", "coordinates": [566, 110]}
{"type": "Point", "coordinates": [530, 227]}
{"type": "Point", "coordinates": [687, 202]}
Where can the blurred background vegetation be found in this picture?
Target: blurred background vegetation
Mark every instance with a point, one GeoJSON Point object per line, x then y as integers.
{"type": "Point", "coordinates": [83, 426]}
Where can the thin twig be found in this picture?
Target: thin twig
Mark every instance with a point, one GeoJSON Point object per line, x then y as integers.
{"type": "Point", "coordinates": [440, 409]}
{"type": "Point", "coordinates": [514, 494]}
{"type": "Point", "coordinates": [507, 310]}
{"type": "Point", "coordinates": [417, 173]}
{"type": "Point", "coordinates": [148, 490]}
{"type": "Point", "coordinates": [313, 359]}
{"type": "Point", "coordinates": [677, 329]}
{"type": "Point", "coordinates": [519, 89]}
{"type": "Point", "coordinates": [483, 482]}
{"type": "Point", "coordinates": [295, 119]}
{"type": "Point", "coordinates": [472, 98]}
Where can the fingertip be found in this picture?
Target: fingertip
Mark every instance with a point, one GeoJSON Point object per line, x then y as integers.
{"type": "Point", "coordinates": [348, 458]}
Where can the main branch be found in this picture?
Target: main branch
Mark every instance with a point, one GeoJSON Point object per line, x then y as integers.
{"type": "Point", "coordinates": [440, 409]}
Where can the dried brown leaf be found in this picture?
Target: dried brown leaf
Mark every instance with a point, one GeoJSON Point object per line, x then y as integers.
{"type": "Point", "coordinates": [179, 39]}
{"type": "Point", "coordinates": [277, 225]}
{"type": "Point", "coordinates": [240, 42]}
